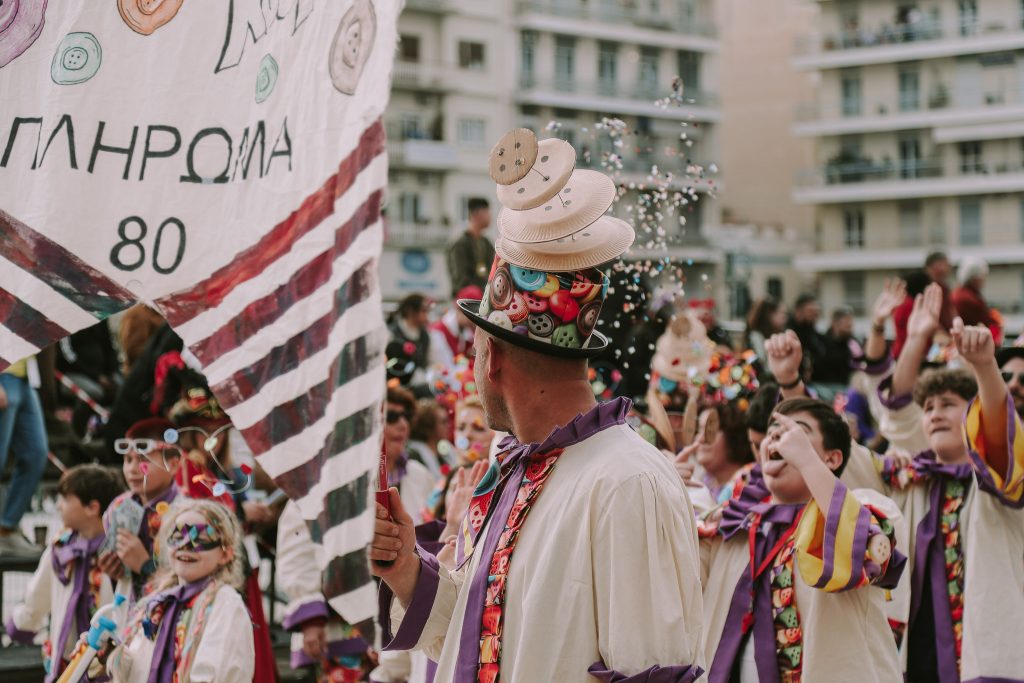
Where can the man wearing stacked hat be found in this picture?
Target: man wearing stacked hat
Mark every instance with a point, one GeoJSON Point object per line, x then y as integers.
{"type": "Point", "coordinates": [577, 559]}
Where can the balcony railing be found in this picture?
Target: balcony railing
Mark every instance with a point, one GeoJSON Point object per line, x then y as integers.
{"type": "Point", "coordinates": [422, 153]}
{"type": "Point", "coordinates": [939, 98]}
{"type": "Point", "coordinates": [869, 170]}
{"type": "Point", "coordinates": [896, 33]}
{"type": "Point", "coordinates": [636, 91]}
{"type": "Point", "coordinates": [422, 76]}
{"type": "Point", "coordinates": [679, 168]}
{"type": "Point", "coordinates": [422, 234]}
{"type": "Point", "coordinates": [595, 10]}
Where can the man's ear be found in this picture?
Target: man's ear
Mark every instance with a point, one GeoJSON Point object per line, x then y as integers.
{"type": "Point", "coordinates": [834, 459]}
{"type": "Point", "coordinates": [495, 358]}
{"type": "Point", "coordinates": [93, 507]}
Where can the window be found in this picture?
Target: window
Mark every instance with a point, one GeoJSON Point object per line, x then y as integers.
{"type": "Point", "coordinates": [849, 84]}
{"type": "Point", "coordinates": [409, 208]}
{"type": "Point", "coordinates": [411, 127]}
{"type": "Point", "coordinates": [910, 224]}
{"type": "Point", "coordinates": [648, 77]}
{"type": "Point", "coordinates": [409, 48]}
{"type": "Point", "coordinates": [471, 55]}
{"type": "Point", "coordinates": [688, 66]}
{"type": "Point", "coordinates": [853, 291]}
{"type": "Point", "coordinates": [910, 157]}
{"type": "Point", "coordinates": [472, 132]}
{"type": "Point", "coordinates": [565, 62]}
{"type": "Point", "coordinates": [970, 222]}
{"type": "Point", "coordinates": [970, 157]}
{"type": "Point", "coordinates": [607, 67]}
{"type": "Point", "coordinates": [968, 14]}
{"type": "Point", "coordinates": [853, 228]}
{"type": "Point", "coordinates": [1021, 220]}
{"type": "Point", "coordinates": [910, 88]}
{"type": "Point", "coordinates": [527, 57]}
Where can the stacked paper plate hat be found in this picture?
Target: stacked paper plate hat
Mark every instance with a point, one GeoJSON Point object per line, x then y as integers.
{"type": "Point", "coordinates": [545, 291]}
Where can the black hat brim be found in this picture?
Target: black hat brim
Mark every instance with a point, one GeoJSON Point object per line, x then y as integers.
{"type": "Point", "coordinates": [596, 345]}
{"type": "Point", "coordinates": [1005, 355]}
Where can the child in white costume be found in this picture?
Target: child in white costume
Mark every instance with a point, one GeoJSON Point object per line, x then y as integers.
{"type": "Point", "coordinates": [790, 583]}
{"type": "Point", "coordinates": [69, 586]}
{"type": "Point", "coordinates": [320, 638]}
{"type": "Point", "coordinates": [194, 625]}
{"type": "Point", "coordinates": [962, 496]}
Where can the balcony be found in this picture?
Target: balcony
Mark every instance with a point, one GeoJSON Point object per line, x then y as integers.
{"type": "Point", "coordinates": [865, 180]}
{"type": "Point", "coordinates": [640, 171]}
{"type": "Point", "coordinates": [596, 19]}
{"type": "Point", "coordinates": [423, 77]}
{"type": "Point", "coordinates": [422, 154]}
{"type": "Point", "coordinates": [618, 100]}
{"type": "Point", "coordinates": [939, 110]}
{"type": "Point", "coordinates": [422, 235]}
{"type": "Point", "coordinates": [896, 42]}
{"type": "Point", "coordinates": [896, 260]}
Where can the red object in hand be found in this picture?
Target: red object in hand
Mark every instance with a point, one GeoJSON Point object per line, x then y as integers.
{"type": "Point", "coordinates": [382, 495]}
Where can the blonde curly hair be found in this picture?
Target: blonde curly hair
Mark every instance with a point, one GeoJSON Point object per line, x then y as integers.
{"type": "Point", "coordinates": [227, 526]}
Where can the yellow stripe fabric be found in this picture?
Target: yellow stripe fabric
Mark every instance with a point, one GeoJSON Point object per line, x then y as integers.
{"type": "Point", "coordinates": [1012, 489]}
{"type": "Point", "coordinates": [825, 549]}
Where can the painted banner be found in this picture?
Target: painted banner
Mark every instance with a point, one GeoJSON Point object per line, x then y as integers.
{"type": "Point", "coordinates": [225, 163]}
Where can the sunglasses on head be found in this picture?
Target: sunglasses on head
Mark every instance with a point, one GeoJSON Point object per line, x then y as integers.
{"type": "Point", "coordinates": [1008, 377]}
{"type": "Point", "coordinates": [393, 416]}
{"type": "Point", "coordinates": [140, 446]}
{"type": "Point", "coordinates": [198, 537]}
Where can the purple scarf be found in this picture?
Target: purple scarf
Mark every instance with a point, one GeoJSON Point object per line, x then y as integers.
{"type": "Point", "coordinates": [737, 510]}
{"type": "Point", "coordinates": [930, 560]}
{"type": "Point", "coordinates": [730, 645]}
{"type": "Point", "coordinates": [71, 561]}
{"type": "Point", "coordinates": [513, 466]}
{"type": "Point", "coordinates": [161, 669]}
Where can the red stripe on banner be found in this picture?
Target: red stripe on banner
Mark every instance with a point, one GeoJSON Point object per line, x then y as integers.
{"type": "Point", "coordinates": [290, 418]}
{"type": "Point", "coordinates": [27, 322]}
{"type": "Point", "coordinates": [182, 306]}
{"type": "Point", "coordinates": [244, 384]}
{"type": "Point", "coordinates": [304, 282]}
{"type": "Point", "coordinates": [65, 273]}
{"type": "Point", "coordinates": [348, 432]}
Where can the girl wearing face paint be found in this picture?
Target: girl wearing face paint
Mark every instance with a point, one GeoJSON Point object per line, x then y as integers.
{"type": "Point", "coordinates": [192, 627]}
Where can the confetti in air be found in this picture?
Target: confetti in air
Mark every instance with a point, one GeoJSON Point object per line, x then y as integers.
{"type": "Point", "coordinates": [660, 190]}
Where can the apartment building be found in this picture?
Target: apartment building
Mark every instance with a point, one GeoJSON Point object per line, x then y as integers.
{"type": "Point", "coordinates": [467, 71]}
{"type": "Point", "coordinates": [583, 61]}
{"type": "Point", "coordinates": [450, 99]}
{"type": "Point", "coordinates": [919, 142]}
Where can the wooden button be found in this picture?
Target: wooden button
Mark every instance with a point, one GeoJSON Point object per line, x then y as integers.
{"type": "Point", "coordinates": [555, 162]}
{"type": "Point", "coordinates": [603, 240]}
{"type": "Point", "coordinates": [580, 202]}
{"type": "Point", "coordinates": [513, 156]}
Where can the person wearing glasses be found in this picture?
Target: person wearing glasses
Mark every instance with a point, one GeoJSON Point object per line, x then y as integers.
{"type": "Point", "coordinates": [1011, 367]}
{"type": "Point", "coordinates": [194, 626]}
{"type": "Point", "coordinates": [150, 464]}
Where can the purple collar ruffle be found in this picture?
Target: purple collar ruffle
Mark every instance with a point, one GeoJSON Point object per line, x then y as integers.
{"type": "Point", "coordinates": [584, 426]}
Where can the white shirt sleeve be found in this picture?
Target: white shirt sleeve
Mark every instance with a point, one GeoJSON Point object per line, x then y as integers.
{"type": "Point", "coordinates": [33, 613]}
{"type": "Point", "coordinates": [225, 653]}
{"type": "Point", "coordinates": [298, 571]}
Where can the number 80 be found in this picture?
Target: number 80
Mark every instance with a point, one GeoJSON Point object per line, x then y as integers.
{"type": "Point", "coordinates": [136, 242]}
